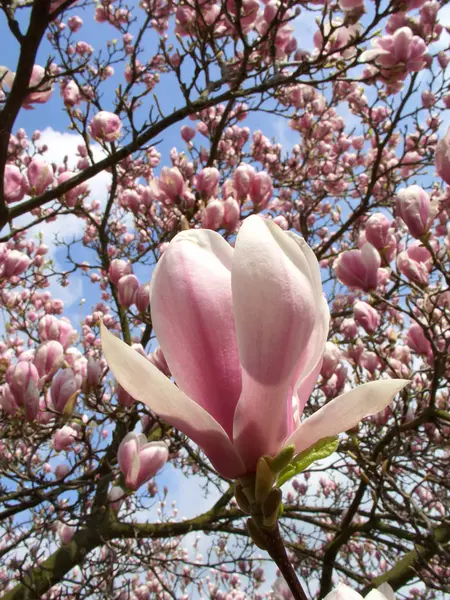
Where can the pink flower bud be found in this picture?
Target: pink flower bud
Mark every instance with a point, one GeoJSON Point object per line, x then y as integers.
{"type": "Point", "coordinates": [242, 179]}
{"type": "Point", "coordinates": [261, 189]}
{"type": "Point", "coordinates": [213, 215]}
{"type": "Point", "coordinates": [116, 496]}
{"type": "Point", "coordinates": [72, 196]}
{"type": "Point", "coordinates": [63, 389]}
{"type": "Point", "coordinates": [14, 184]}
{"type": "Point", "coordinates": [61, 471]}
{"type": "Point", "coordinates": [19, 377]}
{"type": "Point", "coordinates": [377, 230]}
{"type": "Point", "coordinates": [40, 175]}
{"type": "Point", "coordinates": [349, 329]}
{"type": "Point", "coordinates": [7, 401]}
{"type": "Point", "coordinates": [158, 359]}
{"type": "Point", "coordinates": [331, 358]}
{"type": "Point", "coordinates": [64, 438]}
{"type": "Point", "coordinates": [49, 358]}
{"type": "Point", "coordinates": [187, 133]}
{"type": "Point", "coordinates": [140, 460]}
{"type": "Point", "coordinates": [442, 158]}
{"type": "Point", "coordinates": [207, 181]}
{"type": "Point", "coordinates": [15, 263]}
{"type": "Point", "coordinates": [232, 213]}
{"type": "Point", "coordinates": [93, 372]}
{"type": "Point", "coordinates": [71, 94]}
{"type": "Point", "coordinates": [106, 126]}
{"type": "Point", "coordinates": [127, 287]}
{"type": "Point", "coordinates": [417, 341]}
{"type": "Point", "coordinates": [415, 263]}
{"type": "Point", "coordinates": [65, 532]}
{"type": "Point", "coordinates": [142, 298]}
{"type": "Point", "coordinates": [366, 316]}
{"type": "Point", "coordinates": [124, 398]}
{"type": "Point", "coordinates": [416, 210]}
{"type": "Point", "coordinates": [117, 269]}
{"type": "Point", "coordinates": [359, 268]}
{"type": "Point", "coordinates": [171, 183]}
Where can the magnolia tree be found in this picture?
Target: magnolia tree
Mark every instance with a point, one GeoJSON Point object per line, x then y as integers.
{"type": "Point", "coordinates": [278, 170]}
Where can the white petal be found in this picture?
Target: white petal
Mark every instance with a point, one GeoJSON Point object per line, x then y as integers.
{"type": "Point", "coordinates": [343, 592]}
{"type": "Point", "coordinates": [345, 411]}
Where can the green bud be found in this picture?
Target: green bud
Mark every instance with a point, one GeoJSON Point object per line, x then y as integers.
{"type": "Point", "coordinates": [241, 499]}
{"type": "Point", "coordinates": [282, 459]}
{"type": "Point", "coordinates": [70, 405]}
{"type": "Point", "coordinates": [271, 507]}
{"type": "Point", "coordinates": [255, 533]}
{"type": "Point", "coordinates": [264, 480]}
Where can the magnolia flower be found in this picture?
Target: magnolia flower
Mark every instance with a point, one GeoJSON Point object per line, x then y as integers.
{"type": "Point", "coordinates": [243, 331]}
{"type": "Point", "coordinates": [343, 592]}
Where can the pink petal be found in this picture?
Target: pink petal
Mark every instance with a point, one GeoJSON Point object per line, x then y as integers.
{"type": "Point", "coordinates": [147, 384]}
{"type": "Point", "coordinates": [345, 411]}
{"type": "Point", "coordinates": [192, 315]}
{"type": "Point", "coordinates": [274, 303]}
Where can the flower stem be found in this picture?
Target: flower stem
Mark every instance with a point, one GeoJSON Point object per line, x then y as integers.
{"type": "Point", "coordinates": [275, 547]}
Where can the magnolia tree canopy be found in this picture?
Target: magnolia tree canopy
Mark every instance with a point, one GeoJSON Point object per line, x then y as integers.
{"type": "Point", "coordinates": [225, 289]}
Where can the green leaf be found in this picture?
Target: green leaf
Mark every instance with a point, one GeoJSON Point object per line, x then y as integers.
{"type": "Point", "coordinates": [318, 451]}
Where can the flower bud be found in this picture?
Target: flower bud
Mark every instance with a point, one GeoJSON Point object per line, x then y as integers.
{"type": "Point", "coordinates": [49, 358]}
{"type": "Point", "coordinates": [366, 316]}
{"type": "Point", "coordinates": [106, 126]}
{"type": "Point", "coordinates": [207, 181]}
{"type": "Point", "coordinates": [63, 389]}
{"type": "Point", "coordinates": [127, 287]}
{"type": "Point", "coordinates": [415, 208]}
{"type": "Point", "coordinates": [40, 175]}
{"type": "Point", "coordinates": [64, 438]}
{"type": "Point", "coordinates": [442, 158]}
{"type": "Point", "coordinates": [15, 263]}
{"type": "Point", "coordinates": [117, 269]}
{"type": "Point", "coordinates": [14, 184]}
{"type": "Point", "coordinates": [140, 460]}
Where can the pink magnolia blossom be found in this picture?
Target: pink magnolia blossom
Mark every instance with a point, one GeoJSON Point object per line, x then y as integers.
{"type": "Point", "coordinates": [127, 287]}
{"type": "Point", "coordinates": [106, 126]}
{"type": "Point", "coordinates": [442, 158]}
{"type": "Point", "coordinates": [366, 316]}
{"type": "Point", "coordinates": [359, 268]}
{"type": "Point", "coordinates": [40, 175]}
{"type": "Point", "coordinates": [40, 95]}
{"type": "Point", "coordinates": [243, 331]}
{"type": "Point", "coordinates": [73, 195]}
{"type": "Point", "coordinates": [140, 460]}
{"type": "Point", "coordinates": [65, 533]}
{"type": "Point", "coordinates": [71, 94]}
{"type": "Point", "coordinates": [13, 184]}
{"type": "Point", "coordinates": [49, 358]}
{"type": "Point", "coordinates": [242, 179]}
{"type": "Point", "coordinates": [398, 54]}
{"type": "Point", "coordinates": [187, 133]}
{"type": "Point", "coordinates": [417, 340]}
{"type": "Point", "coordinates": [213, 213]}
{"type": "Point", "coordinates": [377, 230]}
{"type": "Point", "coordinates": [261, 189]}
{"type": "Point", "coordinates": [415, 208]}
{"type": "Point", "coordinates": [15, 263]}
{"type": "Point", "coordinates": [207, 181]}
{"type": "Point", "coordinates": [142, 298]}
{"type": "Point", "coordinates": [63, 389]}
{"type": "Point", "coordinates": [64, 438]}
{"type": "Point", "coordinates": [117, 269]}
{"type": "Point", "coordinates": [415, 263]}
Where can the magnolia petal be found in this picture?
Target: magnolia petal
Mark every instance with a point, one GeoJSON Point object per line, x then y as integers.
{"type": "Point", "coordinates": [345, 411]}
{"type": "Point", "coordinates": [343, 592]}
{"type": "Point", "coordinates": [274, 307]}
{"type": "Point", "coordinates": [147, 384]}
{"type": "Point", "coordinates": [386, 590]}
{"type": "Point", "coordinates": [192, 315]}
